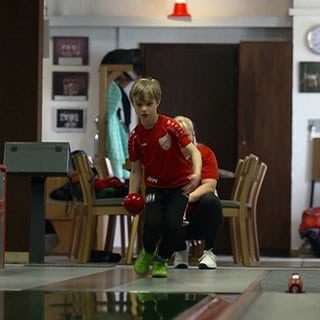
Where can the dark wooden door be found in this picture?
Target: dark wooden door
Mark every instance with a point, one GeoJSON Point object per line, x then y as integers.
{"type": "Point", "coordinates": [264, 124]}
{"type": "Point", "coordinates": [199, 81]}
{"type": "Point", "coordinates": [235, 115]}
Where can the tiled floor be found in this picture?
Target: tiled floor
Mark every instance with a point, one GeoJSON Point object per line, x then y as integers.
{"type": "Point", "coordinates": [62, 289]}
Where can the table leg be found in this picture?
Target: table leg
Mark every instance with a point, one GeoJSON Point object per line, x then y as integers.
{"type": "Point", "coordinates": [37, 220]}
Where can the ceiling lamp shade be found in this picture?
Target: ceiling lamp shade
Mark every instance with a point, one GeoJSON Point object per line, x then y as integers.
{"type": "Point", "coordinates": [180, 9]}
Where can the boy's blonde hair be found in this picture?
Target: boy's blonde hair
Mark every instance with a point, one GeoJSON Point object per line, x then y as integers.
{"type": "Point", "coordinates": [187, 125]}
{"type": "Point", "coordinates": [145, 89]}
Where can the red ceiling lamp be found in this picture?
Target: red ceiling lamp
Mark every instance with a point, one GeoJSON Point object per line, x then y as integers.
{"type": "Point", "coordinates": [180, 10]}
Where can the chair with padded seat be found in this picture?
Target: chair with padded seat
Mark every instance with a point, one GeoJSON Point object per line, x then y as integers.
{"type": "Point", "coordinates": [243, 168]}
{"type": "Point", "coordinates": [104, 170]}
{"type": "Point", "coordinates": [106, 230]}
{"type": "Point", "coordinates": [251, 217]}
{"type": "Point", "coordinates": [97, 207]}
{"type": "Point", "coordinates": [236, 210]}
{"type": "Point", "coordinates": [196, 246]}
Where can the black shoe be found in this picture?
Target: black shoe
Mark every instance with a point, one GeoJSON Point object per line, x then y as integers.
{"type": "Point", "coordinates": [104, 256]}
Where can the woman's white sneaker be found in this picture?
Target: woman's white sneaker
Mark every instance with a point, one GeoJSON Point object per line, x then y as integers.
{"type": "Point", "coordinates": [208, 260]}
{"type": "Point", "coordinates": [181, 259]}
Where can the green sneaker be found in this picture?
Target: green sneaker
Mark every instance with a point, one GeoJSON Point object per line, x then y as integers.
{"type": "Point", "coordinates": [145, 297]}
{"type": "Point", "coordinates": [142, 263]}
{"type": "Point", "coordinates": [159, 268]}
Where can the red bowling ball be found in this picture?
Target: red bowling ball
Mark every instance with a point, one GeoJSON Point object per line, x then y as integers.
{"type": "Point", "coordinates": [134, 203]}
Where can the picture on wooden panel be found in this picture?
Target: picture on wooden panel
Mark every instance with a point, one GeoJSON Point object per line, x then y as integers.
{"type": "Point", "coordinates": [71, 119]}
{"type": "Point", "coordinates": [71, 51]}
{"type": "Point", "coordinates": [70, 86]}
{"type": "Point", "coordinates": [309, 77]}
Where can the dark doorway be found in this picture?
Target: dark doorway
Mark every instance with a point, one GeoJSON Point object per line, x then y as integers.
{"type": "Point", "coordinates": [200, 81]}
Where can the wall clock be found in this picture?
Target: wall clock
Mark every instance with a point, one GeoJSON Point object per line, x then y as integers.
{"type": "Point", "coordinates": [313, 39]}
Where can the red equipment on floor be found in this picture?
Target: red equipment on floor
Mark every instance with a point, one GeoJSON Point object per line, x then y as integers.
{"type": "Point", "coordinates": [295, 284]}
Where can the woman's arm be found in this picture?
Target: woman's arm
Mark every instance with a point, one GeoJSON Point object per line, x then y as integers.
{"type": "Point", "coordinates": [207, 185]}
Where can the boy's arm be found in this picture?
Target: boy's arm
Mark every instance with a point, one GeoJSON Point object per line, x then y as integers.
{"type": "Point", "coordinates": [195, 155]}
{"type": "Point", "coordinates": [135, 177]}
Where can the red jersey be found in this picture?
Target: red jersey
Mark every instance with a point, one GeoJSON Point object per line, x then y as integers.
{"type": "Point", "coordinates": [210, 169]}
{"type": "Point", "coordinates": [159, 150]}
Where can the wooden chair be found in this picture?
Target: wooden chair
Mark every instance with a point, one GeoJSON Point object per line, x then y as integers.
{"type": "Point", "coordinates": [197, 246]}
{"type": "Point", "coordinates": [97, 207]}
{"type": "Point", "coordinates": [106, 230]}
{"type": "Point", "coordinates": [252, 210]}
{"type": "Point", "coordinates": [236, 210]}
{"type": "Point", "coordinates": [251, 217]}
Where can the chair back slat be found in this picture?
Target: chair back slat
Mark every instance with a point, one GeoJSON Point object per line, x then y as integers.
{"type": "Point", "coordinates": [257, 184]}
{"type": "Point", "coordinates": [249, 167]}
{"type": "Point", "coordinates": [238, 176]}
{"type": "Point", "coordinates": [103, 168]}
{"type": "Point", "coordinates": [86, 177]}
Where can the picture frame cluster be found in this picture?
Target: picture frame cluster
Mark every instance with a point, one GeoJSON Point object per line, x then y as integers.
{"type": "Point", "coordinates": [70, 85]}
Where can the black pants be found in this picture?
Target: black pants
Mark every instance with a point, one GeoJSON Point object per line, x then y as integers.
{"type": "Point", "coordinates": [163, 219]}
{"type": "Point", "coordinates": [205, 223]}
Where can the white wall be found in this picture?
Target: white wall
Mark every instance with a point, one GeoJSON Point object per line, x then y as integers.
{"type": "Point", "coordinates": [112, 24]}
{"type": "Point", "coordinates": [225, 21]}
{"type": "Point", "coordinates": [100, 42]}
{"type": "Point", "coordinates": [164, 7]}
{"type": "Point", "coordinates": [105, 39]}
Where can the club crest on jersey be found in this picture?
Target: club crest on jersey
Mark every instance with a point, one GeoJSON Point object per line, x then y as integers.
{"type": "Point", "coordinates": [165, 142]}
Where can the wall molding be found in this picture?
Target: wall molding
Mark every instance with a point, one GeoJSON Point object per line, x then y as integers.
{"type": "Point", "coordinates": [305, 12]}
{"type": "Point", "coordinates": [158, 22]}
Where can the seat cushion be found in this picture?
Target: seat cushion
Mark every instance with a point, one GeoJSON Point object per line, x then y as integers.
{"type": "Point", "coordinates": [230, 204]}
{"type": "Point", "coordinates": [108, 202]}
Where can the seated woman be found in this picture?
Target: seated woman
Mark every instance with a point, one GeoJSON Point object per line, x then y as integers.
{"type": "Point", "coordinates": [204, 215]}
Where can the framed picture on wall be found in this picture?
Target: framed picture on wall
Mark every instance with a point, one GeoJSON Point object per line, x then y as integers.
{"type": "Point", "coordinates": [309, 77]}
{"type": "Point", "coordinates": [70, 85]}
{"type": "Point", "coordinates": [71, 51]}
{"type": "Point", "coordinates": [71, 119]}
